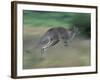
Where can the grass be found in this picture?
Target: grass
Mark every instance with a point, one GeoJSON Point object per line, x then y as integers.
{"type": "Point", "coordinates": [45, 19]}
{"type": "Point", "coordinates": [36, 23]}
{"type": "Point", "coordinates": [76, 54]}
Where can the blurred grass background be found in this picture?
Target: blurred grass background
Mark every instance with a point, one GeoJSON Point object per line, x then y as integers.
{"type": "Point", "coordinates": [36, 23]}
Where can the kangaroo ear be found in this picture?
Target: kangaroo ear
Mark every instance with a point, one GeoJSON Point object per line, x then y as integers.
{"type": "Point", "coordinates": [75, 28]}
{"type": "Point", "coordinates": [71, 29]}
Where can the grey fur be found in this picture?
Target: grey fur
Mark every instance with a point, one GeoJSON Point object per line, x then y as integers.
{"type": "Point", "coordinates": [54, 35]}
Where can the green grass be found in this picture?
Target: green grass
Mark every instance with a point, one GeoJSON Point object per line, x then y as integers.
{"type": "Point", "coordinates": [46, 19]}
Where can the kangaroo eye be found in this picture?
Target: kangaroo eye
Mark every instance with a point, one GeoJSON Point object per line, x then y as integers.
{"type": "Point", "coordinates": [62, 37]}
{"type": "Point", "coordinates": [51, 38]}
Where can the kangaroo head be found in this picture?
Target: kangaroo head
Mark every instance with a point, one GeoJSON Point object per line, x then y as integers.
{"type": "Point", "coordinates": [74, 31]}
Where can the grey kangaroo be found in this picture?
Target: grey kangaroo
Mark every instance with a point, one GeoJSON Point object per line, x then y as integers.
{"type": "Point", "coordinates": [54, 35]}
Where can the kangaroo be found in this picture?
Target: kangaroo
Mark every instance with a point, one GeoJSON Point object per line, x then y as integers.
{"type": "Point", "coordinates": [54, 35]}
